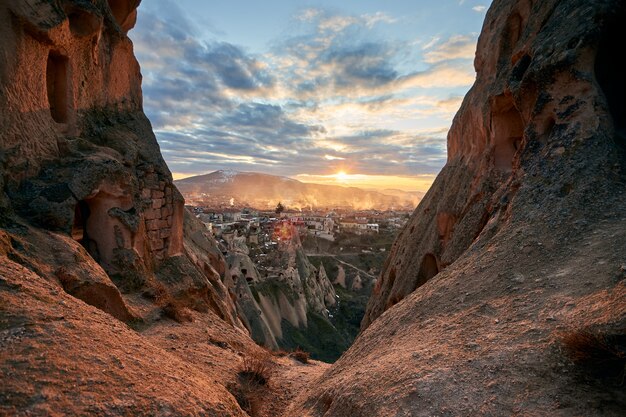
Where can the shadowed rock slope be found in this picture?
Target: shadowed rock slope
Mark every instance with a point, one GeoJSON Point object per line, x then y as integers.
{"type": "Point", "coordinates": [518, 251]}
{"type": "Point", "coordinates": [112, 300]}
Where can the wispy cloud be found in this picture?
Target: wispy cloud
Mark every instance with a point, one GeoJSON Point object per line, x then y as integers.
{"type": "Point", "coordinates": [314, 103]}
{"type": "Point", "coordinates": [479, 9]}
{"type": "Point", "coordinates": [456, 47]}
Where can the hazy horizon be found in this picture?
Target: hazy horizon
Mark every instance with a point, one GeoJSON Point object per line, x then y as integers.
{"type": "Point", "coordinates": [365, 182]}
{"type": "Point", "coordinates": [360, 94]}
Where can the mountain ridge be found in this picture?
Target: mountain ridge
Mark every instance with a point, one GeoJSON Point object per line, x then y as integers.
{"type": "Point", "coordinates": [262, 190]}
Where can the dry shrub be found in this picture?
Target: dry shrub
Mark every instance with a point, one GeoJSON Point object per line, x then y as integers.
{"type": "Point", "coordinates": [602, 355]}
{"type": "Point", "coordinates": [157, 292]}
{"type": "Point", "coordinates": [252, 383]}
{"type": "Point", "coordinates": [280, 353]}
{"type": "Point", "coordinates": [300, 355]}
{"type": "Point", "coordinates": [249, 396]}
{"type": "Point", "coordinates": [176, 311]}
{"type": "Point", "coordinates": [170, 307]}
{"type": "Point", "coordinates": [257, 368]}
{"type": "Point", "coordinates": [161, 295]}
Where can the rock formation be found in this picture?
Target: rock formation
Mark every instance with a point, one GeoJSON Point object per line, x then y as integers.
{"type": "Point", "coordinates": [277, 300]}
{"type": "Point", "coordinates": [520, 244]}
{"type": "Point", "coordinates": [94, 237]}
{"type": "Point", "coordinates": [540, 93]}
{"type": "Point", "coordinates": [79, 157]}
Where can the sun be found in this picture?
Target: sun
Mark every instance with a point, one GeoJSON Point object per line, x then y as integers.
{"type": "Point", "coordinates": [341, 176]}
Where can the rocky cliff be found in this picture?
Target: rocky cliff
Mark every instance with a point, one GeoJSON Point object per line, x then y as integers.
{"type": "Point", "coordinates": [79, 157]}
{"type": "Point", "coordinates": [517, 254]}
{"type": "Point", "coordinates": [97, 254]}
{"type": "Point", "coordinates": [282, 298]}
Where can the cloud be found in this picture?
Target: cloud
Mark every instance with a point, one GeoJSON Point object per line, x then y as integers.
{"type": "Point", "coordinates": [379, 17]}
{"type": "Point", "coordinates": [479, 9]}
{"type": "Point", "coordinates": [308, 14]}
{"type": "Point", "coordinates": [456, 47]}
{"type": "Point", "coordinates": [314, 103]}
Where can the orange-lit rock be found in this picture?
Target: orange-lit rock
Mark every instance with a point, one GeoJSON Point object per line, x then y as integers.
{"type": "Point", "coordinates": [94, 237]}
{"type": "Point", "coordinates": [521, 239]}
{"type": "Point", "coordinates": [79, 154]}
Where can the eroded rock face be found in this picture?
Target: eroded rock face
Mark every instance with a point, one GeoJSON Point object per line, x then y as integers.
{"type": "Point", "coordinates": [79, 157]}
{"type": "Point", "coordinates": [521, 239]}
{"type": "Point", "coordinates": [543, 93]}
{"type": "Point", "coordinates": [88, 208]}
{"type": "Point", "coordinates": [277, 305]}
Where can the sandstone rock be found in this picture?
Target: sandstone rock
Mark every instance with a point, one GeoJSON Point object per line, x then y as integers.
{"type": "Point", "coordinates": [277, 307]}
{"type": "Point", "coordinates": [340, 279]}
{"type": "Point", "coordinates": [66, 264]}
{"type": "Point", "coordinates": [86, 363]}
{"type": "Point", "coordinates": [534, 185]}
{"type": "Point", "coordinates": [529, 101]}
{"type": "Point", "coordinates": [88, 208]}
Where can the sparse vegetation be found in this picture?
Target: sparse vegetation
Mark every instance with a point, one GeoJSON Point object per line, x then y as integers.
{"type": "Point", "coordinates": [252, 381]}
{"type": "Point", "coordinates": [300, 355]}
{"type": "Point", "coordinates": [600, 355]}
{"type": "Point", "coordinates": [172, 308]}
{"type": "Point", "coordinates": [257, 368]}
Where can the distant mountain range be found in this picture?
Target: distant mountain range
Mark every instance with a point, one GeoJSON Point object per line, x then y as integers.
{"type": "Point", "coordinates": [263, 191]}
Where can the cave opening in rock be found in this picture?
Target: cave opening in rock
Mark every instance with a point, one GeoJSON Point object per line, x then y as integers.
{"type": "Point", "coordinates": [81, 213]}
{"type": "Point", "coordinates": [608, 72]}
{"type": "Point", "coordinates": [58, 86]}
{"type": "Point", "coordinates": [507, 131]}
{"type": "Point", "coordinates": [428, 268]}
{"type": "Point", "coordinates": [445, 226]}
{"type": "Point", "coordinates": [511, 35]}
{"type": "Point", "coordinates": [81, 229]}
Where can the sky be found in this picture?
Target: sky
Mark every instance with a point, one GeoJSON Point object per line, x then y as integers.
{"type": "Point", "coordinates": [357, 92]}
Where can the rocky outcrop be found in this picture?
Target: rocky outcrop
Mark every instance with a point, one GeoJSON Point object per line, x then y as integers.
{"type": "Point", "coordinates": [539, 99]}
{"type": "Point", "coordinates": [80, 160]}
{"type": "Point", "coordinates": [93, 233]}
{"type": "Point", "coordinates": [277, 300]}
{"type": "Point", "coordinates": [79, 154]}
{"type": "Point", "coordinates": [519, 245]}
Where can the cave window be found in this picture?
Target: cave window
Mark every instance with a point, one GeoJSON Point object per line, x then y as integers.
{"type": "Point", "coordinates": [505, 148]}
{"type": "Point", "coordinates": [81, 213]}
{"type": "Point", "coordinates": [244, 271]}
{"type": "Point", "coordinates": [507, 131]}
{"type": "Point", "coordinates": [609, 74]}
{"type": "Point", "coordinates": [428, 269]}
{"type": "Point", "coordinates": [58, 87]}
{"type": "Point", "coordinates": [511, 35]}
{"type": "Point", "coordinates": [445, 226]}
{"type": "Point", "coordinates": [249, 279]}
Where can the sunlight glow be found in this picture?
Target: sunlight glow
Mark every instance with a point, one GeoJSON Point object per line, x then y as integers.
{"type": "Point", "coordinates": [341, 176]}
{"type": "Point", "coordinates": [372, 182]}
